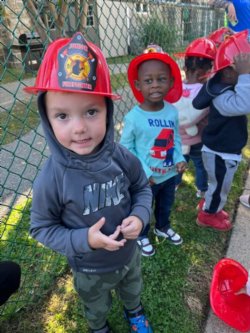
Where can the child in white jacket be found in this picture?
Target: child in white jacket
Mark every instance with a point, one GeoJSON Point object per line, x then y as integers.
{"type": "Point", "coordinates": [198, 61]}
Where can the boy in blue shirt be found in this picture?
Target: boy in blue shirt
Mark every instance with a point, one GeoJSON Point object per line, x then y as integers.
{"type": "Point", "coordinates": [151, 133]}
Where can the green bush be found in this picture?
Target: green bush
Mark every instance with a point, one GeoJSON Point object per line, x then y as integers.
{"type": "Point", "coordinates": [153, 31]}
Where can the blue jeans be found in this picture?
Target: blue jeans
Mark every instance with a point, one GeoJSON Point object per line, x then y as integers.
{"type": "Point", "coordinates": [163, 198]}
{"type": "Point", "coordinates": [200, 172]}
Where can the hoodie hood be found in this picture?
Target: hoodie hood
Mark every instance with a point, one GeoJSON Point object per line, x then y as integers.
{"type": "Point", "coordinates": [212, 88]}
{"type": "Point", "coordinates": [68, 158]}
{"type": "Point", "coordinates": [215, 87]}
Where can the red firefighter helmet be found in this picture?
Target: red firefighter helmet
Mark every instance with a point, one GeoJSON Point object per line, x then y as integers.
{"type": "Point", "coordinates": [218, 36]}
{"type": "Point", "coordinates": [200, 47]}
{"type": "Point", "coordinates": [73, 65]}
{"type": "Point", "coordinates": [155, 52]}
{"type": "Point", "coordinates": [229, 277]}
{"type": "Point", "coordinates": [233, 45]}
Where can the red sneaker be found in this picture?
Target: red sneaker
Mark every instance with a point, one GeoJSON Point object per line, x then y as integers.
{"type": "Point", "coordinates": [215, 221]}
{"type": "Point", "coordinates": [222, 213]}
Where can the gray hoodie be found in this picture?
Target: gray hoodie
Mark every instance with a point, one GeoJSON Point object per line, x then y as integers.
{"type": "Point", "coordinates": [72, 192]}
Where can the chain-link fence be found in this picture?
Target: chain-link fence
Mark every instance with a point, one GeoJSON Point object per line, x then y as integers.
{"type": "Point", "coordinates": [122, 29]}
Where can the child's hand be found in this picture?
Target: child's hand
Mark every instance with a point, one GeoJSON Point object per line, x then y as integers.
{"type": "Point", "coordinates": [181, 167]}
{"type": "Point", "coordinates": [231, 12]}
{"type": "Point", "coordinates": [97, 240]}
{"type": "Point", "coordinates": [131, 227]}
{"type": "Point", "coordinates": [242, 63]}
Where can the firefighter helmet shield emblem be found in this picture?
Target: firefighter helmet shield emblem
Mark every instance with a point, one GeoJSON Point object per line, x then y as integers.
{"type": "Point", "coordinates": [77, 65]}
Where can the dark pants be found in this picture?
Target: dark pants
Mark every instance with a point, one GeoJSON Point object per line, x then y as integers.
{"type": "Point", "coordinates": [163, 198]}
{"type": "Point", "coordinates": [220, 177]}
{"type": "Point", "coordinates": [10, 275]}
{"type": "Point", "coordinates": [195, 155]}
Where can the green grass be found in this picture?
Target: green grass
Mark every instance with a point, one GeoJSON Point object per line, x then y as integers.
{"type": "Point", "coordinates": [120, 60]}
{"type": "Point", "coordinates": [8, 75]}
{"type": "Point", "coordinates": [176, 279]}
{"type": "Point", "coordinates": [18, 121]}
{"type": "Point", "coordinates": [39, 265]}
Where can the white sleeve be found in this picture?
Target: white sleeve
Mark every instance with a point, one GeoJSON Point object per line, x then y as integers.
{"type": "Point", "coordinates": [235, 102]}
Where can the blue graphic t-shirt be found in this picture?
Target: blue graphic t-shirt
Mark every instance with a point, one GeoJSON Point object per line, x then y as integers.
{"type": "Point", "coordinates": [153, 137]}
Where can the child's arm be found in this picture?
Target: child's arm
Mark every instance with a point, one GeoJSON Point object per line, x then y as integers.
{"type": "Point", "coordinates": [46, 225]}
{"type": "Point", "coordinates": [178, 157]}
{"type": "Point", "coordinates": [237, 102]}
{"type": "Point", "coordinates": [128, 138]}
{"type": "Point", "coordinates": [227, 5]}
{"type": "Point", "coordinates": [141, 196]}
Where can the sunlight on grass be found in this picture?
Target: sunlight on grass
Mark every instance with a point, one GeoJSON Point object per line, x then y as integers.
{"type": "Point", "coordinates": [9, 223]}
{"type": "Point", "coordinates": [63, 311]}
{"type": "Point", "coordinates": [188, 177]}
{"type": "Point", "coordinates": [39, 265]}
{"type": "Point", "coordinates": [246, 152]}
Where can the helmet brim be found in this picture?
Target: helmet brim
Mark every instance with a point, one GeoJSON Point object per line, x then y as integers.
{"type": "Point", "coordinates": [174, 93]}
{"type": "Point", "coordinates": [229, 276]}
{"type": "Point", "coordinates": [36, 90]}
{"type": "Point", "coordinates": [193, 54]}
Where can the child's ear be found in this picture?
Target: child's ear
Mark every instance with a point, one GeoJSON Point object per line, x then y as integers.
{"type": "Point", "coordinates": [137, 85]}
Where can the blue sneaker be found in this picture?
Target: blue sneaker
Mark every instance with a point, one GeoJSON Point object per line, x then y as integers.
{"type": "Point", "coordinates": [138, 322]}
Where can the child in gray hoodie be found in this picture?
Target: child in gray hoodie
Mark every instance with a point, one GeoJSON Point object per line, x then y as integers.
{"type": "Point", "coordinates": [91, 199]}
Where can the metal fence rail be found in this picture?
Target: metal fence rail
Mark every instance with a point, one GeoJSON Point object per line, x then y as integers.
{"type": "Point", "coordinates": [122, 29]}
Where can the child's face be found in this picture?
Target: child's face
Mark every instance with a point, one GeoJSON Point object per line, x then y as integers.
{"type": "Point", "coordinates": [78, 120]}
{"type": "Point", "coordinates": [154, 81]}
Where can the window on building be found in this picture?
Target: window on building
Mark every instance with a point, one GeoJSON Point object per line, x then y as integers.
{"type": "Point", "coordinates": [90, 16]}
{"type": "Point", "coordinates": [145, 8]}
{"type": "Point", "coordinates": [142, 8]}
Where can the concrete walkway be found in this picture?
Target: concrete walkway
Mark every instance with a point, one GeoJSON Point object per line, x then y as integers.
{"type": "Point", "coordinates": [238, 249]}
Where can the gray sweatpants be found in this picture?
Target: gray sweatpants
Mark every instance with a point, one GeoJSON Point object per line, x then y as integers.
{"type": "Point", "coordinates": [220, 177]}
{"type": "Point", "coordinates": [95, 290]}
